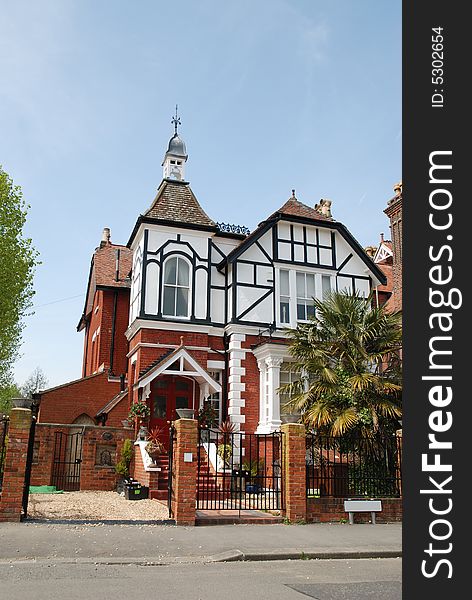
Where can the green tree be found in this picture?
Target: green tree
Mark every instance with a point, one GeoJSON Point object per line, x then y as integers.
{"type": "Point", "coordinates": [18, 260]}
{"type": "Point", "coordinates": [350, 372]}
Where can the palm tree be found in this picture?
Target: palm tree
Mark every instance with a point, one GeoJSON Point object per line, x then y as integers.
{"type": "Point", "coordinates": [347, 357]}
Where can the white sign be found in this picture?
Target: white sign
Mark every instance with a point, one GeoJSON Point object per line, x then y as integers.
{"type": "Point", "coordinates": [188, 457]}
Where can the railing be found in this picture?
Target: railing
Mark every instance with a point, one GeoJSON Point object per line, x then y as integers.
{"type": "Point", "coordinates": [4, 421]}
{"type": "Point", "coordinates": [360, 467]}
{"type": "Point", "coordinates": [239, 471]}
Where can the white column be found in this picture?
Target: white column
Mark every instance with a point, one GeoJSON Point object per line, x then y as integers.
{"type": "Point", "coordinates": [269, 401]}
{"type": "Point", "coordinates": [273, 368]}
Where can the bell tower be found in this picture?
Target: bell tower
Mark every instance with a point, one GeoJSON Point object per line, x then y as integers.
{"type": "Point", "coordinates": [176, 155]}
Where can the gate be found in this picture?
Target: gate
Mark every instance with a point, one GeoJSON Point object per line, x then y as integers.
{"type": "Point", "coordinates": [29, 464]}
{"type": "Point", "coordinates": [4, 421]}
{"type": "Point", "coordinates": [239, 471]}
{"type": "Point", "coordinates": [67, 461]}
{"type": "Point", "coordinates": [170, 483]}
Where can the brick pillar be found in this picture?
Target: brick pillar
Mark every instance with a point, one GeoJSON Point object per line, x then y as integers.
{"type": "Point", "coordinates": [15, 464]}
{"type": "Point", "coordinates": [294, 471]}
{"type": "Point", "coordinates": [184, 485]}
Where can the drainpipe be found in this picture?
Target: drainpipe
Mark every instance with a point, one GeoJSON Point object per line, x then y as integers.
{"type": "Point", "coordinates": [113, 325]}
{"type": "Point", "coordinates": [224, 386]}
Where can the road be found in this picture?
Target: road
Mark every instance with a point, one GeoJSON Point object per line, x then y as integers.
{"type": "Point", "coordinates": [359, 579]}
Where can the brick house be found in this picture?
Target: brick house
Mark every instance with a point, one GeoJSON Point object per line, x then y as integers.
{"type": "Point", "coordinates": [192, 310]}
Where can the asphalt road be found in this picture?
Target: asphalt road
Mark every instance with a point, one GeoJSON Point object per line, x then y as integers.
{"type": "Point", "coordinates": [359, 579]}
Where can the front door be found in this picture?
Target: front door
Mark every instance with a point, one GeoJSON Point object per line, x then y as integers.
{"type": "Point", "coordinates": [169, 393]}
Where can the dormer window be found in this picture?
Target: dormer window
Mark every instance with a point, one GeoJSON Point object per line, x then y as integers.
{"type": "Point", "coordinates": [176, 288]}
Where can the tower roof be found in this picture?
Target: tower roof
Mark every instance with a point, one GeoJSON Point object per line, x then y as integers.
{"type": "Point", "coordinates": [176, 202]}
{"type": "Point", "coordinates": [177, 146]}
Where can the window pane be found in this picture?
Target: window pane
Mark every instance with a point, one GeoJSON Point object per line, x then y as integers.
{"type": "Point", "coordinates": [310, 284]}
{"type": "Point", "coordinates": [284, 312]}
{"type": "Point", "coordinates": [181, 384]}
{"type": "Point", "coordinates": [182, 302]}
{"type": "Point", "coordinates": [183, 273]}
{"type": "Point", "coordinates": [326, 284]}
{"type": "Point", "coordinates": [170, 271]}
{"type": "Point", "coordinates": [301, 312]}
{"type": "Point", "coordinates": [169, 301]}
{"type": "Point", "coordinates": [159, 407]}
{"type": "Point", "coordinates": [284, 283]}
{"type": "Point", "coordinates": [301, 285]}
{"type": "Point", "coordinates": [310, 310]}
{"type": "Point", "coordinates": [181, 402]}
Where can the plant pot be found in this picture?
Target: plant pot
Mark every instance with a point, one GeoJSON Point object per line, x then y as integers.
{"type": "Point", "coordinates": [290, 418]}
{"type": "Point", "coordinates": [185, 413]}
{"type": "Point", "coordinates": [22, 402]}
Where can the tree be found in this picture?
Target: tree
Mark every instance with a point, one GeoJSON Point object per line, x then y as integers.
{"type": "Point", "coordinates": [35, 382]}
{"type": "Point", "coordinates": [18, 260]}
{"type": "Point", "coordinates": [348, 360]}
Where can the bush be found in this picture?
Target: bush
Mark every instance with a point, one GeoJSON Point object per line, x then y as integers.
{"type": "Point", "coordinates": [122, 467]}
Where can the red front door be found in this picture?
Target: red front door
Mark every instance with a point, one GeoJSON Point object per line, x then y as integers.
{"type": "Point", "coordinates": [168, 393]}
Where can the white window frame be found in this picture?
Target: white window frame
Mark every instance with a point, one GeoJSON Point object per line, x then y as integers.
{"type": "Point", "coordinates": [176, 286]}
{"type": "Point", "coordinates": [292, 271]}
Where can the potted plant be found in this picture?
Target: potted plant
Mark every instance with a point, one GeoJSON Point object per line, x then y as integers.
{"type": "Point", "coordinates": [139, 410]}
{"type": "Point", "coordinates": [154, 446]}
{"type": "Point", "coordinates": [254, 469]}
{"type": "Point", "coordinates": [225, 445]}
{"type": "Point", "coordinates": [122, 466]}
{"type": "Point", "coordinates": [207, 418]}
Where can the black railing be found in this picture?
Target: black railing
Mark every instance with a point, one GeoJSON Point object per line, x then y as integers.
{"type": "Point", "coordinates": [4, 421]}
{"type": "Point", "coordinates": [170, 489]}
{"type": "Point", "coordinates": [239, 471]}
{"type": "Point", "coordinates": [360, 467]}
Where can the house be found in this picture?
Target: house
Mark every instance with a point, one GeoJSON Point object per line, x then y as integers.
{"type": "Point", "coordinates": [193, 310]}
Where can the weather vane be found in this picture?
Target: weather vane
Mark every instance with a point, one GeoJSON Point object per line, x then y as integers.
{"type": "Point", "coordinates": [176, 120]}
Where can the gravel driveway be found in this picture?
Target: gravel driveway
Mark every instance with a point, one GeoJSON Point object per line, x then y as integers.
{"type": "Point", "coordinates": [94, 506]}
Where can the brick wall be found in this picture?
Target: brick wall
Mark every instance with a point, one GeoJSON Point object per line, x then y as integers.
{"type": "Point", "coordinates": [65, 403]}
{"type": "Point", "coordinates": [394, 212]}
{"type": "Point", "coordinates": [325, 510]}
{"type": "Point", "coordinates": [93, 475]}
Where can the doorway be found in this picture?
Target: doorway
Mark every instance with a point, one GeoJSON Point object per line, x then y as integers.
{"type": "Point", "coordinates": [169, 393]}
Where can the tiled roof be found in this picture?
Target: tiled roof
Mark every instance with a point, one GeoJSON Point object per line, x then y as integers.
{"type": "Point", "coordinates": [112, 403]}
{"type": "Point", "coordinates": [387, 271]}
{"type": "Point", "coordinates": [104, 266]}
{"type": "Point", "coordinates": [296, 208]}
{"type": "Point", "coordinates": [175, 201]}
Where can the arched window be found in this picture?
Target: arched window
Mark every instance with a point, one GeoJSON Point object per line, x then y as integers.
{"type": "Point", "coordinates": [176, 293]}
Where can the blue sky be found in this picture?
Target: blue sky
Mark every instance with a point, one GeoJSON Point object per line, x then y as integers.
{"type": "Point", "coordinates": [273, 95]}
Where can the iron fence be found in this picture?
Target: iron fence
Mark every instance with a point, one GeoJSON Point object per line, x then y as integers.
{"type": "Point", "coordinates": [4, 421]}
{"type": "Point", "coordinates": [239, 471]}
{"type": "Point", "coordinates": [354, 467]}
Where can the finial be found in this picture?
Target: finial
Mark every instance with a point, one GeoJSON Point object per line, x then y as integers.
{"type": "Point", "coordinates": [181, 340]}
{"type": "Point", "coordinates": [293, 194]}
{"type": "Point", "coordinates": [176, 120]}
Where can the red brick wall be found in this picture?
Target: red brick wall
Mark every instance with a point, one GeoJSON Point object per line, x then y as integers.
{"type": "Point", "coordinates": [65, 403]}
{"type": "Point", "coordinates": [98, 353]}
{"type": "Point", "coordinates": [325, 510]}
{"type": "Point", "coordinates": [394, 211]}
{"type": "Point", "coordinates": [92, 475]}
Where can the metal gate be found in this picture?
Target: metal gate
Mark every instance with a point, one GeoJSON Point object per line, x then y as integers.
{"type": "Point", "coordinates": [29, 464]}
{"type": "Point", "coordinates": [172, 437]}
{"type": "Point", "coordinates": [239, 471]}
{"type": "Point", "coordinates": [67, 461]}
{"type": "Point", "coordinates": [4, 421]}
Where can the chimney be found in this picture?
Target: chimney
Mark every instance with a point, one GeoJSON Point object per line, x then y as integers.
{"type": "Point", "coordinates": [324, 207]}
{"type": "Point", "coordinates": [105, 237]}
{"type": "Point", "coordinates": [382, 238]}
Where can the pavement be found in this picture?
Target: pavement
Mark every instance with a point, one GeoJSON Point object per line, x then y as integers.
{"type": "Point", "coordinates": [163, 544]}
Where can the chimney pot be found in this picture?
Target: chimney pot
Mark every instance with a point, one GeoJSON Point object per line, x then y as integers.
{"type": "Point", "coordinates": [106, 236]}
